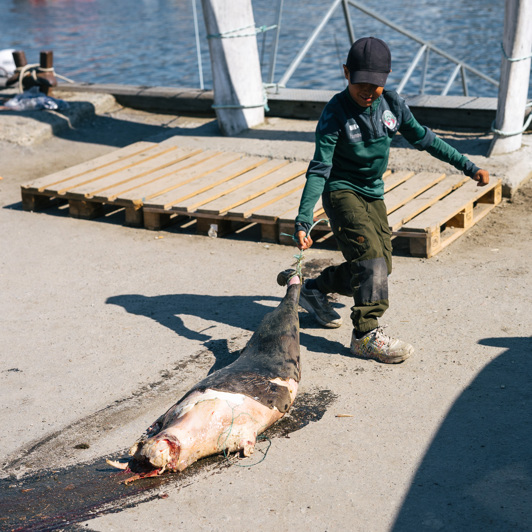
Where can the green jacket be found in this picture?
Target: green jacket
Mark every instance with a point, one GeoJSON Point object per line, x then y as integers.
{"type": "Point", "coordinates": [353, 144]}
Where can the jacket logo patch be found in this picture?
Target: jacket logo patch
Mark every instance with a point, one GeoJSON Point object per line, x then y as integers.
{"type": "Point", "coordinates": [389, 119]}
{"type": "Point", "coordinates": [353, 131]}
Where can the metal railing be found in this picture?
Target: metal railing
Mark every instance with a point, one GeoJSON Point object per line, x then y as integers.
{"type": "Point", "coordinates": [424, 51]}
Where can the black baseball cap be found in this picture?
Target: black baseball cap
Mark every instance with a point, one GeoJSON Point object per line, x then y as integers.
{"type": "Point", "coordinates": [369, 61]}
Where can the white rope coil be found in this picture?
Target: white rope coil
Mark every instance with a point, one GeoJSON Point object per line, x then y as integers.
{"type": "Point", "coordinates": [32, 70]}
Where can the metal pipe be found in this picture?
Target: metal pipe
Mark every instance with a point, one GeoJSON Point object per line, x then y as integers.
{"type": "Point", "coordinates": [415, 38]}
{"type": "Point", "coordinates": [451, 79]}
{"type": "Point", "coordinates": [411, 68]}
{"type": "Point", "coordinates": [425, 69]}
{"type": "Point", "coordinates": [464, 81]}
{"type": "Point", "coordinates": [310, 41]}
{"type": "Point", "coordinates": [348, 23]}
{"type": "Point", "coordinates": [198, 47]}
{"type": "Point", "coordinates": [276, 41]}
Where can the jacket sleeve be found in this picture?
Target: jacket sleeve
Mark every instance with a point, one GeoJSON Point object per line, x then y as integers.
{"type": "Point", "coordinates": [423, 138]}
{"type": "Point", "coordinates": [319, 168]}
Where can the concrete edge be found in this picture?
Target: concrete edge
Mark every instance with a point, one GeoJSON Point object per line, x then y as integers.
{"type": "Point", "coordinates": [306, 104]}
{"type": "Point", "coordinates": [32, 127]}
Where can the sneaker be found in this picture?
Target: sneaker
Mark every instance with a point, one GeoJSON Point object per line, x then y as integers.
{"type": "Point", "coordinates": [379, 346]}
{"type": "Point", "coordinates": [318, 305]}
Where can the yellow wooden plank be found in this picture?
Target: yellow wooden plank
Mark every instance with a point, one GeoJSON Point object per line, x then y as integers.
{"type": "Point", "coordinates": [425, 200]}
{"type": "Point", "coordinates": [269, 199]}
{"type": "Point", "coordinates": [124, 178]}
{"type": "Point", "coordinates": [290, 215]}
{"type": "Point", "coordinates": [272, 211]}
{"type": "Point", "coordinates": [395, 179]}
{"type": "Point", "coordinates": [118, 166]}
{"type": "Point", "coordinates": [227, 187]}
{"type": "Point", "coordinates": [99, 163]}
{"type": "Point", "coordinates": [450, 206]}
{"type": "Point", "coordinates": [173, 177]}
{"type": "Point", "coordinates": [416, 185]}
{"type": "Point", "coordinates": [230, 201]}
{"type": "Point", "coordinates": [189, 190]}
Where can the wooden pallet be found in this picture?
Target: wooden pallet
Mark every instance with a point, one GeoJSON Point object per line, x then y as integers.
{"type": "Point", "coordinates": [158, 183]}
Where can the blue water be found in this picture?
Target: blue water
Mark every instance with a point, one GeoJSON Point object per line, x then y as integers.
{"type": "Point", "coordinates": [152, 42]}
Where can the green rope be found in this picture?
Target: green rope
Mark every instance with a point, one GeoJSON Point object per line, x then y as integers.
{"type": "Point", "coordinates": [513, 59]}
{"type": "Point", "coordinates": [223, 446]}
{"type": "Point", "coordinates": [233, 34]}
{"type": "Point", "coordinates": [239, 106]}
{"type": "Point", "coordinates": [300, 256]}
{"type": "Point", "coordinates": [513, 133]}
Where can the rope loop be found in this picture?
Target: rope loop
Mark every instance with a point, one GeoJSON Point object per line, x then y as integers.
{"type": "Point", "coordinates": [513, 133]}
{"type": "Point", "coordinates": [32, 70]}
{"type": "Point", "coordinates": [300, 256]}
{"type": "Point", "coordinates": [233, 34]}
{"type": "Point", "coordinates": [251, 106]}
{"type": "Point", "coordinates": [513, 59]}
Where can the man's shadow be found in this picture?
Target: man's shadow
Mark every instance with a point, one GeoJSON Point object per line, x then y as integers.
{"type": "Point", "coordinates": [241, 312]}
{"type": "Point", "coordinates": [477, 473]}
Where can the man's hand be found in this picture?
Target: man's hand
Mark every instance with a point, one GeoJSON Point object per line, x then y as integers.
{"type": "Point", "coordinates": [482, 177]}
{"type": "Point", "coordinates": [303, 241]}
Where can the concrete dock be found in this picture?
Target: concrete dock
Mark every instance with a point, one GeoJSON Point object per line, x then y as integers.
{"type": "Point", "coordinates": [105, 326]}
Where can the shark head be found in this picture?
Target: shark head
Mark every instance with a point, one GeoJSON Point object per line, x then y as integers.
{"type": "Point", "coordinates": [160, 451]}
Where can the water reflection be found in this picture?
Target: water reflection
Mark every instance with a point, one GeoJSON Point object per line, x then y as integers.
{"type": "Point", "coordinates": [151, 42]}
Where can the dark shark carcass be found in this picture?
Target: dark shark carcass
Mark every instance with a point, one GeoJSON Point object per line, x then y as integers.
{"type": "Point", "coordinates": [226, 411]}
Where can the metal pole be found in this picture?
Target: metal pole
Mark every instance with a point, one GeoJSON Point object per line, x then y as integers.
{"type": "Point", "coordinates": [425, 69]}
{"type": "Point", "coordinates": [464, 81]}
{"type": "Point", "coordinates": [411, 68]}
{"type": "Point", "coordinates": [451, 79]}
{"type": "Point", "coordinates": [515, 76]}
{"type": "Point", "coordinates": [310, 41]}
{"type": "Point", "coordinates": [347, 16]}
{"type": "Point", "coordinates": [198, 48]}
{"type": "Point", "coordinates": [410, 35]}
{"type": "Point", "coordinates": [276, 41]}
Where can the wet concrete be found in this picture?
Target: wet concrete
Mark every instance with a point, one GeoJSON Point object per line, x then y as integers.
{"type": "Point", "coordinates": [55, 499]}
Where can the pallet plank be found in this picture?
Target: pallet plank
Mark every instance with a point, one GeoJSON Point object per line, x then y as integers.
{"type": "Point", "coordinates": [224, 204]}
{"type": "Point", "coordinates": [206, 182]}
{"type": "Point", "coordinates": [416, 185]}
{"type": "Point", "coordinates": [227, 187]}
{"type": "Point", "coordinates": [99, 163]}
{"type": "Point", "coordinates": [270, 198]}
{"type": "Point", "coordinates": [93, 176]}
{"type": "Point", "coordinates": [101, 188]}
{"type": "Point", "coordinates": [394, 179]}
{"type": "Point", "coordinates": [450, 206]}
{"type": "Point", "coordinates": [290, 216]}
{"type": "Point", "coordinates": [425, 200]}
{"type": "Point", "coordinates": [173, 177]}
{"type": "Point", "coordinates": [272, 211]}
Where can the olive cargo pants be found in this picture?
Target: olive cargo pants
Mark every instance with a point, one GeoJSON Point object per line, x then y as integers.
{"type": "Point", "coordinates": [360, 226]}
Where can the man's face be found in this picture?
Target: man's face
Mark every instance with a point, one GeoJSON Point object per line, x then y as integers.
{"type": "Point", "coordinates": [364, 94]}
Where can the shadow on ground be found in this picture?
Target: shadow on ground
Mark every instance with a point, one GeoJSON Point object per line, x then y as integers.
{"type": "Point", "coordinates": [242, 312]}
{"type": "Point", "coordinates": [477, 472]}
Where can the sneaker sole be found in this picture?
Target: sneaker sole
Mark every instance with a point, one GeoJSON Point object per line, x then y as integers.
{"type": "Point", "coordinates": [382, 359]}
{"type": "Point", "coordinates": [310, 310]}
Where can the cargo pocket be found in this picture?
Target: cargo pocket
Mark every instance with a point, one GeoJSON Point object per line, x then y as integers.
{"type": "Point", "coordinates": [349, 219]}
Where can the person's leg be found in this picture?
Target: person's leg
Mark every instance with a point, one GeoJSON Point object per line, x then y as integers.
{"type": "Point", "coordinates": [358, 227]}
{"type": "Point", "coordinates": [363, 235]}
